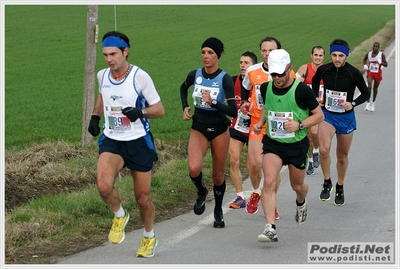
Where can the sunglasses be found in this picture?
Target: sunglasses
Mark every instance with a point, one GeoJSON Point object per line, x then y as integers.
{"type": "Point", "coordinates": [280, 75]}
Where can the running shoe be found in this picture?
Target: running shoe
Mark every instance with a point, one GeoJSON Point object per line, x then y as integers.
{"type": "Point", "coordinates": [252, 205]}
{"type": "Point", "coordinates": [276, 214]}
{"type": "Point", "coordinates": [372, 108]}
{"type": "Point", "coordinates": [339, 198]}
{"type": "Point", "coordinates": [147, 247]}
{"type": "Point", "coordinates": [268, 235]}
{"type": "Point", "coordinates": [301, 213]}
{"type": "Point", "coordinates": [326, 191]}
{"type": "Point", "coordinates": [310, 169]}
{"type": "Point", "coordinates": [238, 203]}
{"type": "Point", "coordinates": [315, 157]}
{"type": "Point", "coordinates": [117, 232]}
{"type": "Point", "coordinates": [219, 219]}
{"type": "Point", "coordinates": [200, 204]}
{"type": "Point", "coordinates": [367, 107]}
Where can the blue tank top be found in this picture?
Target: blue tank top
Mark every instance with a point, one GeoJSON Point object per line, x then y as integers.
{"type": "Point", "coordinates": [213, 85]}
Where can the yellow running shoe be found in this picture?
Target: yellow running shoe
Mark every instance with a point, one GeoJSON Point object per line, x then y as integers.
{"type": "Point", "coordinates": [147, 247]}
{"type": "Point", "coordinates": [117, 232]}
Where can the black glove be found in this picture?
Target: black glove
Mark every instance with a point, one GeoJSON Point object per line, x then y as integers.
{"type": "Point", "coordinates": [94, 128]}
{"type": "Point", "coordinates": [133, 113]}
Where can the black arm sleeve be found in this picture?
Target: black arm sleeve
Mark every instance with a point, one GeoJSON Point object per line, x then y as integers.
{"type": "Point", "coordinates": [362, 87]}
{"type": "Point", "coordinates": [316, 82]}
{"type": "Point", "coordinates": [184, 94]}
{"type": "Point", "coordinates": [229, 109]}
{"type": "Point", "coordinates": [305, 97]}
{"type": "Point", "coordinates": [184, 88]}
{"type": "Point", "coordinates": [244, 93]}
{"type": "Point", "coordinates": [263, 90]}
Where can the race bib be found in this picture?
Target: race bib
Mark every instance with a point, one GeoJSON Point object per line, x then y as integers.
{"type": "Point", "coordinates": [242, 123]}
{"type": "Point", "coordinates": [334, 101]}
{"type": "Point", "coordinates": [118, 122]}
{"type": "Point", "coordinates": [260, 102]}
{"type": "Point", "coordinates": [374, 67]}
{"type": "Point", "coordinates": [198, 100]}
{"type": "Point", "coordinates": [276, 122]}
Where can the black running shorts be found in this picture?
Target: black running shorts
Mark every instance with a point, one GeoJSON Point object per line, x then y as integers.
{"type": "Point", "coordinates": [138, 155]}
{"type": "Point", "coordinates": [290, 153]}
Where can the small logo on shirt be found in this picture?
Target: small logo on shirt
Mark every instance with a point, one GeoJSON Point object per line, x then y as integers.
{"type": "Point", "coordinates": [115, 97]}
{"type": "Point", "coordinates": [215, 84]}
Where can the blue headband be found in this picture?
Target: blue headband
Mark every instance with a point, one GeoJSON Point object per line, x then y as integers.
{"type": "Point", "coordinates": [113, 41]}
{"type": "Point", "coordinates": [340, 48]}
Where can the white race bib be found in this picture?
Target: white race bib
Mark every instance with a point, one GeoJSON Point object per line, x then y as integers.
{"type": "Point", "coordinates": [242, 123]}
{"type": "Point", "coordinates": [118, 122]}
{"type": "Point", "coordinates": [198, 100]}
{"type": "Point", "coordinates": [275, 124]}
{"type": "Point", "coordinates": [334, 101]}
{"type": "Point", "coordinates": [374, 67]}
{"type": "Point", "coordinates": [260, 102]}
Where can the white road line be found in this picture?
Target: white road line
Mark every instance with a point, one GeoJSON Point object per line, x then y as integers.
{"type": "Point", "coordinates": [188, 232]}
{"type": "Point", "coordinates": [204, 222]}
{"type": "Point", "coordinates": [391, 53]}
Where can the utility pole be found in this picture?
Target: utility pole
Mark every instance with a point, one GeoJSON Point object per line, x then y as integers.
{"type": "Point", "coordinates": [92, 30]}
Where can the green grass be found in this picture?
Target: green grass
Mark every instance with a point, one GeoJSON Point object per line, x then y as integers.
{"type": "Point", "coordinates": [45, 53]}
{"type": "Point", "coordinates": [57, 220]}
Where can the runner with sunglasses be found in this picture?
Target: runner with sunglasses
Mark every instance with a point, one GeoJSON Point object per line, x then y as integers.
{"type": "Point", "coordinates": [290, 108]}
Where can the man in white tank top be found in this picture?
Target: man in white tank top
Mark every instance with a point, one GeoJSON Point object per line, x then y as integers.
{"type": "Point", "coordinates": [127, 99]}
{"type": "Point", "coordinates": [376, 59]}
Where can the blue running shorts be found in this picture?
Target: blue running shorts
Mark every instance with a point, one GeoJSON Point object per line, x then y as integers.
{"type": "Point", "coordinates": [344, 123]}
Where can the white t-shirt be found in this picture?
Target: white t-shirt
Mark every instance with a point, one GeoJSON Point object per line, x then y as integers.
{"type": "Point", "coordinates": [135, 90]}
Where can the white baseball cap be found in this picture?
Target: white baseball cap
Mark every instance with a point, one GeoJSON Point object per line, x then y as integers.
{"type": "Point", "coordinates": [277, 61]}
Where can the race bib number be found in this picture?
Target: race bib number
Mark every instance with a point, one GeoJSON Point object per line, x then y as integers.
{"type": "Point", "coordinates": [260, 102]}
{"type": "Point", "coordinates": [334, 101]}
{"type": "Point", "coordinates": [374, 67]}
{"type": "Point", "coordinates": [118, 122]}
{"type": "Point", "coordinates": [198, 100]}
{"type": "Point", "coordinates": [276, 122]}
{"type": "Point", "coordinates": [242, 123]}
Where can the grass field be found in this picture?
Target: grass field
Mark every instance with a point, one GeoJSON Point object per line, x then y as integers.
{"type": "Point", "coordinates": [44, 76]}
{"type": "Point", "coordinates": [45, 53]}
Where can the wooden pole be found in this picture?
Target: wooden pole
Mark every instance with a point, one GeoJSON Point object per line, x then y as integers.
{"type": "Point", "coordinates": [90, 72]}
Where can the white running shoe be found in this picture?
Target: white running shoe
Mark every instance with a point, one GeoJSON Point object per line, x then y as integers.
{"type": "Point", "coordinates": [301, 213]}
{"type": "Point", "coordinates": [372, 108]}
{"type": "Point", "coordinates": [268, 235]}
{"type": "Point", "coordinates": [367, 107]}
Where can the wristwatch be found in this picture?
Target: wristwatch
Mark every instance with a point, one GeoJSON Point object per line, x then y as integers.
{"type": "Point", "coordinates": [353, 104]}
{"type": "Point", "coordinates": [144, 112]}
{"type": "Point", "coordinates": [301, 126]}
{"type": "Point", "coordinates": [214, 102]}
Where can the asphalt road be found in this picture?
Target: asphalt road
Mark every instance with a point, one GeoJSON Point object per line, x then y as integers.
{"type": "Point", "coordinates": [368, 215]}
